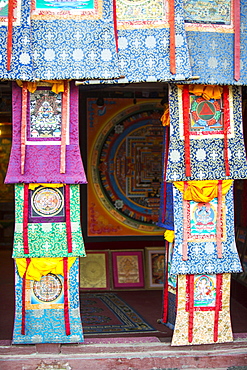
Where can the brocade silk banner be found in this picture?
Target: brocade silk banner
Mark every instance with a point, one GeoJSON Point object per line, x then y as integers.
{"type": "Point", "coordinates": [144, 41]}
{"type": "Point", "coordinates": [210, 145]}
{"type": "Point", "coordinates": [42, 138]}
{"type": "Point", "coordinates": [196, 225]}
{"type": "Point", "coordinates": [203, 312]}
{"type": "Point", "coordinates": [42, 228]}
{"type": "Point", "coordinates": [217, 40]}
{"type": "Point", "coordinates": [49, 310]}
{"type": "Point", "coordinates": [20, 52]}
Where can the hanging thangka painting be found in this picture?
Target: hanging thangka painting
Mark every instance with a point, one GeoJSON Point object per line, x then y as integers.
{"type": "Point", "coordinates": [124, 167]}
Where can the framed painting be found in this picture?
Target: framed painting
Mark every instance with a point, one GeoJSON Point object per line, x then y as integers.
{"type": "Point", "coordinates": [124, 164]}
{"type": "Point", "coordinates": [94, 271]}
{"type": "Point", "coordinates": [155, 262]}
{"type": "Point", "coordinates": [127, 269]}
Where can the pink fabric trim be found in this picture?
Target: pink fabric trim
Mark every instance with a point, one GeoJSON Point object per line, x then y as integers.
{"type": "Point", "coordinates": [23, 126]}
{"type": "Point", "coordinates": [10, 33]}
{"type": "Point", "coordinates": [66, 300]}
{"type": "Point", "coordinates": [218, 305]}
{"type": "Point", "coordinates": [190, 282]}
{"type": "Point", "coordinates": [64, 127]}
{"type": "Point", "coordinates": [67, 216]}
{"type": "Point", "coordinates": [23, 309]}
{"type": "Point", "coordinates": [218, 221]}
{"type": "Point", "coordinates": [237, 49]}
{"type": "Point", "coordinates": [25, 220]}
{"type": "Point", "coordinates": [172, 37]}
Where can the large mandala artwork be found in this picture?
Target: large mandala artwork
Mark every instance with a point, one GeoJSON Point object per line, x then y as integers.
{"type": "Point", "coordinates": [125, 168]}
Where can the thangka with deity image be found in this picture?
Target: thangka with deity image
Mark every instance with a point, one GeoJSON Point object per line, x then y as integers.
{"type": "Point", "coordinates": [47, 301]}
{"type": "Point", "coordinates": [47, 221]}
{"type": "Point", "coordinates": [204, 228]}
{"type": "Point", "coordinates": [203, 312]}
{"type": "Point", "coordinates": [45, 147]}
{"type": "Point", "coordinates": [206, 140]}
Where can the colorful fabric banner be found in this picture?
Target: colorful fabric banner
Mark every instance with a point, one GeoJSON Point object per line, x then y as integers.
{"type": "Point", "coordinates": [144, 35]}
{"type": "Point", "coordinates": [43, 138]}
{"type": "Point", "coordinates": [15, 41]}
{"type": "Point", "coordinates": [203, 311]}
{"type": "Point", "coordinates": [74, 40]}
{"type": "Point", "coordinates": [206, 137]}
{"type": "Point", "coordinates": [43, 312]}
{"type": "Point", "coordinates": [217, 40]}
{"type": "Point", "coordinates": [200, 230]}
{"type": "Point", "coordinates": [47, 230]}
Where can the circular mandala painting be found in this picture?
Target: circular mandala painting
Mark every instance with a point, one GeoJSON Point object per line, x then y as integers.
{"type": "Point", "coordinates": [47, 202]}
{"type": "Point", "coordinates": [127, 172]}
{"type": "Point", "coordinates": [48, 289]}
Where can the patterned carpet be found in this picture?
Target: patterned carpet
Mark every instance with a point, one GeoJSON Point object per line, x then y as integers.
{"type": "Point", "coordinates": [106, 313]}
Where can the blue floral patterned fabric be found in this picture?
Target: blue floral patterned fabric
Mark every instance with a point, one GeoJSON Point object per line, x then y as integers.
{"type": "Point", "coordinates": [46, 325]}
{"type": "Point", "coordinates": [211, 43]}
{"type": "Point", "coordinates": [72, 48]}
{"type": "Point", "coordinates": [144, 50]}
{"type": "Point", "coordinates": [206, 152]}
{"type": "Point", "coordinates": [21, 62]}
{"type": "Point", "coordinates": [202, 255]}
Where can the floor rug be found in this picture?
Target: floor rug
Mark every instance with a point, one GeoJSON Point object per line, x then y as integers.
{"type": "Point", "coordinates": [106, 313]}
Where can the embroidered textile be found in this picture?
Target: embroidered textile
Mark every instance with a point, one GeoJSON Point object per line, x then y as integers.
{"type": "Point", "coordinates": [21, 58]}
{"type": "Point", "coordinates": [211, 41]}
{"type": "Point", "coordinates": [206, 142]}
{"type": "Point", "coordinates": [203, 312]}
{"type": "Point", "coordinates": [143, 40]}
{"type": "Point", "coordinates": [47, 233]}
{"type": "Point", "coordinates": [44, 309]}
{"type": "Point", "coordinates": [201, 236]}
{"type": "Point", "coordinates": [74, 40]}
{"type": "Point", "coordinates": [43, 139]}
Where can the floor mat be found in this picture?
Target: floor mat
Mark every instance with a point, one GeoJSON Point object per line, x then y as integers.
{"type": "Point", "coordinates": [106, 313]}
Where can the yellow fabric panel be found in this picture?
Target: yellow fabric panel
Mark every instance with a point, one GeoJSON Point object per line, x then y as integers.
{"type": "Point", "coordinates": [39, 267]}
{"type": "Point", "coordinates": [57, 86]}
{"type": "Point", "coordinates": [34, 186]}
{"type": "Point", "coordinates": [165, 119]}
{"type": "Point", "coordinates": [202, 191]}
{"type": "Point", "coordinates": [169, 235]}
{"type": "Point", "coordinates": [206, 91]}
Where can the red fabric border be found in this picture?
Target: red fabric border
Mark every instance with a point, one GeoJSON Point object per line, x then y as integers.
{"type": "Point", "coordinates": [185, 226]}
{"type": "Point", "coordinates": [67, 217]}
{"type": "Point", "coordinates": [186, 120]}
{"type": "Point", "coordinates": [165, 294]}
{"type": "Point", "coordinates": [10, 33]}
{"type": "Point", "coordinates": [172, 37]}
{"type": "Point", "coordinates": [226, 126]}
{"type": "Point", "coordinates": [190, 282]}
{"type": "Point", "coordinates": [66, 299]}
{"type": "Point", "coordinates": [25, 220]}
{"type": "Point", "coordinates": [23, 309]}
{"type": "Point", "coordinates": [64, 127]}
{"type": "Point", "coordinates": [237, 49]}
{"type": "Point", "coordinates": [218, 305]}
{"type": "Point", "coordinates": [23, 125]}
{"type": "Point", "coordinates": [115, 23]}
